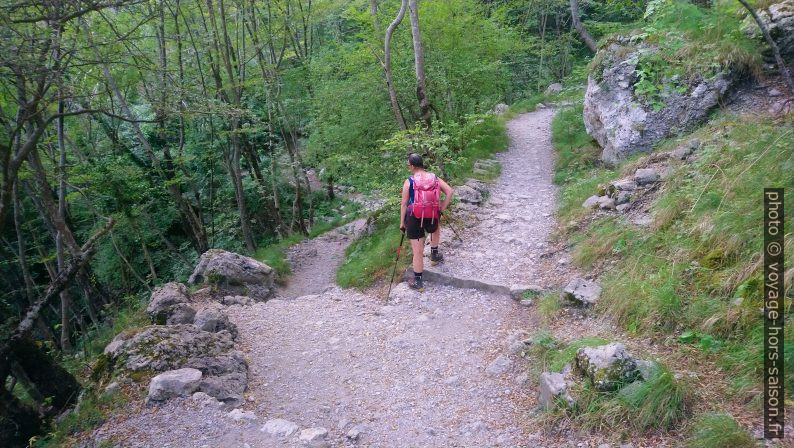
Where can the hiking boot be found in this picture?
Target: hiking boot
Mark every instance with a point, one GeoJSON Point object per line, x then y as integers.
{"type": "Point", "coordinates": [417, 284]}
{"type": "Point", "coordinates": [436, 258]}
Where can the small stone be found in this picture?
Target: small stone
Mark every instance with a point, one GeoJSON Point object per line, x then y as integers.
{"type": "Point", "coordinates": [279, 427]}
{"type": "Point", "coordinates": [453, 380]}
{"type": "Point", "coordinates": [644, 176]}
{"type": "Point", "coordinates": [591, 202]}
{"type": "Point", "coordinates": [605, 445]}
{"type": "Point", "coordinates": [354, 433]}
{"type": "Point", "coordinates": [112, 387]}
{"type": "Point", "coordinates": [334, 340]}
{"type": "Point", "coordinates": [608, 366]}
{"type": "Point", "coordinates": [775, 92]}
{"type": "Point", "coordinates": [499, 365]}
{"type": "Point", "coordinates": [625, 185]}
{"type": "Point", "coordinates": [553, 385]}
{"type": "Point", "coordinates": [204, 399]}
{"type": "Point", "coordinates": [681, 152]}
{"type": "Point", "coordinates": [526, 302]}
{"type": "Point", "coordinates": [606, 203]}
{"type": "Point", "coordinates": [582, 291]}
{"type": "Point", "coordinates": [313, 434]}
{"type": "Point", "coordinates": [522, 378]}
{"type": "Point", "coordinates": [554, 88]}
{"type": "Point", "coordinates": [623, 207]}
{"type": "Point", "coordinates": [239, 415]}
{"type": "Point", "coordinates": [237, 300]}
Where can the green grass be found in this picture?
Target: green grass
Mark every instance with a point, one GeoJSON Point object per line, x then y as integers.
{"type": "Point", "coordinates": [372, 257]}
{"type": "Point", "coordinates": [93, 410]}
{"type": "Point", "coordinates": [578, 167]}
{"type": "Point", "coordinates": [549, 304]}
{"type": "Point", "coordinates": [700, 254]}
{"type": "Point", "coordinates": [714, 429]}
{"type": "Point", "coordinates": [657, 404]}
{"type": "Point", "coordinates": [551, 355]}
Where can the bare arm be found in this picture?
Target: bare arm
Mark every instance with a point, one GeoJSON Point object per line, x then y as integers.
{"type": "Point", "coordinates": [404, 204]}
{"type": "Point", "coordinates": [448, 193]}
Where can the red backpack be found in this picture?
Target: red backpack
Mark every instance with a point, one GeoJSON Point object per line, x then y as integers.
{"type": "Point", "coordinates": [427, 195]}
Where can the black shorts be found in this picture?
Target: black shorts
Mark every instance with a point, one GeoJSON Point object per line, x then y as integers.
{"type": "Point", "coordinates": [415, 227]}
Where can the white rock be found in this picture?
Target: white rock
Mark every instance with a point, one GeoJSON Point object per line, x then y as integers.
{"type": "Point", "coordinates": [174, 383]}
{"type": "Point", "coordinates": [582, 291]}
{"type": "Point", "coordinates": [279, 427]}
{"type": "Point", "coordinates": [553, 385]}
{"type": "Point", "coordinates": [591, 202]}
{"type": "Point", "coordinates": [313, 434]}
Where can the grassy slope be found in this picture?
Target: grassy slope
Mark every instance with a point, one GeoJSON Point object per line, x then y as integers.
{"type": "Point", "coordinates": [694, 281]}
{"type": "Point", "coordinates": [682, 281]}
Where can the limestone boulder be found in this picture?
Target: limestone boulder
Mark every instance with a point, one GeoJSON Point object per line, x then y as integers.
{"type": "Point", "coordinates": [624, 122]}
{"type": "Point", "coordinates": [170, 304]}
{"type": "Point", "coordinates": [608, 367]}
{"type": "Point", "coordinates": [468, 195]}
{"type": "Point", "coordinates": [214, 320]}
{"type": "Point", "coordinates": [174, 383]}
{"type": "Point", "coordinates": [234, 274]}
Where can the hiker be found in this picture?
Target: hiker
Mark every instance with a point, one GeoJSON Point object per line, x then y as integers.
{"type": "Point", "coordinates": [420, 212]}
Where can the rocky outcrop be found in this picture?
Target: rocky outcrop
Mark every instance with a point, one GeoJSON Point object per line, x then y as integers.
{"type": "Point", "coordinates": [234, 274]}
{"type": "Point", "coordinates": [169, 304]}
{"type": "Point", "coordinates": [214, 320]}
{"type": "Point", "coordinates": [779, 19]}
{"type": "Point", "coordinates": [162, 348]}
{"type": "Point", "coordinates": [624, 122]}
{"type": "Point", "coordinates": [608, 367]}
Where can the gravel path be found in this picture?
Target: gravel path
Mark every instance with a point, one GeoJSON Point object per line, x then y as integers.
{"type": "Point", "coordinates": [439, 368]}
{"type": "Point", "coordinates": [314, 262]}
{"type": "Point", "coordinates": [504, 247]}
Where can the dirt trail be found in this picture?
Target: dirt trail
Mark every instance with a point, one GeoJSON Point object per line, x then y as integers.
{"type": "Point", "coordinates": [506, 245]}
{"type": "Point", "coordinates": [439, 368]}
{"type": "Point", "coordinates": [314, 262]}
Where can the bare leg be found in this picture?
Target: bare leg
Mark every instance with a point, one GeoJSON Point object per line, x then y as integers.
{"type": "Point", "coordinates": [418, 249]}
{"type": "Point", "coordinates": [435, 237]}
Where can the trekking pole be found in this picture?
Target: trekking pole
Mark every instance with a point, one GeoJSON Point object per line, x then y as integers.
{"type": "Point", "coordinates": [396, 260]}
{"type": "Point", "coordinates": [449, 223]}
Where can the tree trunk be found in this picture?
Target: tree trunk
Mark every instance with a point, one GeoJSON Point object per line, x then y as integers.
{"type": "Point", "coordinates": [419, 64]}
{"type": "Point", "coordinates": [395, 106]}
{"type": "Point", "coordinates": [49, 379]}
{"type": "Point", "coordinates": [18, 423]}
{"type": "Point", "coordinates": [586, 37]}
{"type": "Point", "coordinates": [66, 344]}
{"type": "Point", "coordinates": [781, 64]}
